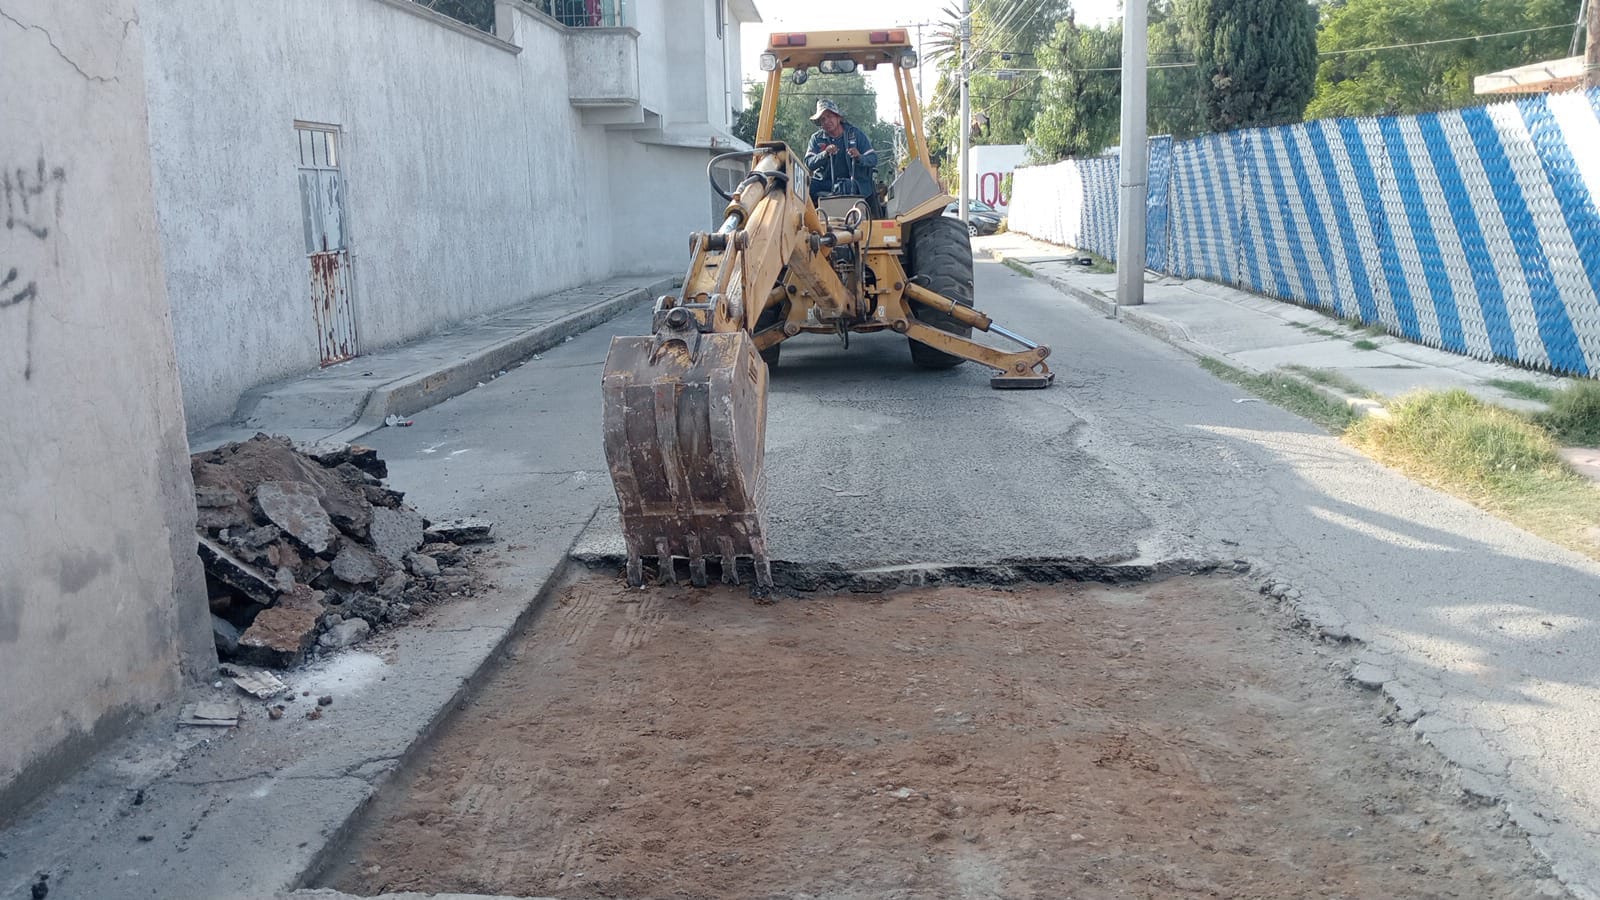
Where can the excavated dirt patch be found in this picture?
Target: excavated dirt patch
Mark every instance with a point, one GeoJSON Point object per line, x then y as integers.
{"type": "Point", "coordinates": [1165, 740]}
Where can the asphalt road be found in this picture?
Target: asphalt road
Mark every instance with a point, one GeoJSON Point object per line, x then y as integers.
{"type": "Point", "coordinates": [1483, 635]}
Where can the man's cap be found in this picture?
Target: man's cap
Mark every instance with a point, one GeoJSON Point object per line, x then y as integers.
{"type": "Point", "coordinates": [826, 106]}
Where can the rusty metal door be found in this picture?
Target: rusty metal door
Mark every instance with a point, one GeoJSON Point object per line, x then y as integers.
{"type": "Point", "coordinates": [322, 215]}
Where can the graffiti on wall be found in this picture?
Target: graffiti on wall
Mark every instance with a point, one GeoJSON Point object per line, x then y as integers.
{"type": "Point", "coordinates": [30, 204]}
{"type": "Point", "coordinates": [991, 189]}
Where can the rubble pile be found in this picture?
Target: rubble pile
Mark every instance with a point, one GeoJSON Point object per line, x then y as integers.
{"type": "Point", "coordinates": [306, 549]}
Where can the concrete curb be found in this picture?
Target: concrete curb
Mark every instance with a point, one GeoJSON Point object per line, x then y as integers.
{"type": "Point", "coordinates": [1174, 334]}
{"type": "Point", "coordinates": [421, 390]}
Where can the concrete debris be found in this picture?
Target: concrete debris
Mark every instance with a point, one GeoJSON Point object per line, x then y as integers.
{"type": "Point", "coordinates": [332, 455]}
{"type": "Point", "coordinates": [226, 635]}
{"type": "Point", "coordinates": [396, 532]}
{"type": "Point", "coordinates": [210, 714]}
{"type": "Point", "coordinates": [296, 507]}
{"type": "Point", "coordinates": [235, 573]}
{"type": "Point", "coordinates": [208, 497]}
{"type": "Point", "coordinates": [378, 495]}
{"type": "Point", "coordinates": [258, 683]}
{"type": "Point", "coordinates": [461, 531]}
{"type": "Point", "coordinates": [256, 538]}
{"type": "Point", "coordinates": [422, 565]}
{"type": "Point", "coordinates": [356, 564]}
{"type": "Point", "coordinates": [394, 587]}
{"type": "Point", "coordinates": [279, 637]}
{"type": "Point", "coordinates": [347, 632]}
{"type": "Point", "coordinates": [303, 540]}
{"type": "Point", "coordinates": [284, 580]}
{"type": "Point", "coordinates": [443, 553]}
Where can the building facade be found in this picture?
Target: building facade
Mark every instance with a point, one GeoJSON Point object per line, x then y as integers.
{"type": "Point", "coordinates": [200, 196]}
{"type": "Point", "coordinates": [338, 176]}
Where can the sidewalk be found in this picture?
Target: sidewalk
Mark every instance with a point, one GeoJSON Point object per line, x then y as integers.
{"type": "Point", "coordinates": [345, 401]}
{"type": "Point", "coordinates": [1260, 335]}
{"type": "Point", "coordinates": [248, 812]}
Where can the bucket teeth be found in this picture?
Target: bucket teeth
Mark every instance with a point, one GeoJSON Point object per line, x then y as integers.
{"type": "Point", "coordinates": [685, 431]}
{"type": "Point", "coordinates": [697, 562]}
{"type": "Point", "coordinates": [730, 562]}
{"type": "Point", "coordinates": [666, 569]}
{"type": "Point", "coordinates": [666, 565]}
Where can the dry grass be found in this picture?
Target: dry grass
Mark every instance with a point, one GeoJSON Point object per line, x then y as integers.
{"type": "Point", "coordinates": [1492, 457]}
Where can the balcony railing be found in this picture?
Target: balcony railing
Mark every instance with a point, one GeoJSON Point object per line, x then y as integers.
{"type": "Point", "coordinates": [585, 13]}
{"type": "Point", "coordinates": [572, 13]}
{"type": "Point", "coordinates": [477, 13]}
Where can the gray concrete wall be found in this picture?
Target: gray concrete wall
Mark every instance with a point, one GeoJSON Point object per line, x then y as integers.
{"type": "Point", "coordinates": [472, 182]}
{"type": "Point", "coordinates": [667, 177]}
{"type": "Point", "coordinates": [101, 595]}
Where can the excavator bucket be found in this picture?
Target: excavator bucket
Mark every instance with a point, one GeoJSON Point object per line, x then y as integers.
{"type": "Point", "coordinates": [685, 433]}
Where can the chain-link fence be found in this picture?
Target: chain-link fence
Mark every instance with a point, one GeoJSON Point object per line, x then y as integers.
{"type": "Point", "coordinates": [1475, 230]}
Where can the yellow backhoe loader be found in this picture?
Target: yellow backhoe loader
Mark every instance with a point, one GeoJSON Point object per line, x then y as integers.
{"type": "Point", "coordinates": [685, 408]}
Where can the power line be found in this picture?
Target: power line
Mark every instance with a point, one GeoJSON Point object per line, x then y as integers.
{"type": "Point", "coordinates": [1327, 53]}
{"type": "Point", "coordinates": [1475, 37]}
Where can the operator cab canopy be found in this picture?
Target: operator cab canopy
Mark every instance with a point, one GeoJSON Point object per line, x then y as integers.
{"type": "Point", "coordinates": [838, 52]}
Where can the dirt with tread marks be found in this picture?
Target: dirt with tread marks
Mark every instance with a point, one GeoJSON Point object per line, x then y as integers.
{"type": "Point", "coordinates": [1156, 741]}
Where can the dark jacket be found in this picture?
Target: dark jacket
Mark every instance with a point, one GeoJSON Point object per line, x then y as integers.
{"type": "Point", "coordinates": [826, 171]}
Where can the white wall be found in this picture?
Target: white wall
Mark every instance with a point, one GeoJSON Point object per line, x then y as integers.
{"type": "Point", "coordinates": [101, 595]}
{"type": "Point", "coordinates": [664, 177]}
{"type": "Point", "coordinates": [989, 166]}
{"type": "Point", "coordinates": [473, 183]}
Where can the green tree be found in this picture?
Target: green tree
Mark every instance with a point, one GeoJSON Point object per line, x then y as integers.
{"type": "Point", "coordinates": [1257, 59]}
{"type": "Point", "coordinates": [1080, 101]}
{"type": "Point", "coordinates": [1355, 81]}
{"type": "Point", "coordinates": [1004, 86]}
{"type": "Point", "coordinates": [1175, 92]}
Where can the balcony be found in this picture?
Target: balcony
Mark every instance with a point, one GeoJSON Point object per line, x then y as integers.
{"type": "Point", "coordinates": [603, 73]}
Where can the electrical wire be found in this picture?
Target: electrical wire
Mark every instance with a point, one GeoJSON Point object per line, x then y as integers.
{"type": "Point", "coordinates": [1456, 40]}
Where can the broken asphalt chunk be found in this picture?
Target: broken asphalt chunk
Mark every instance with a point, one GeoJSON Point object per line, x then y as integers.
{"type": "Point", "coordinates": [422, 565]}
{"type": "Point", "coordinates": [367, 460]}
{"type": "Point", "coordinates": [350, 631]}
{"type": "Point", "coordinates": [467, 530]}
{"type": "Point", "coordinates": [396, 532]}
{"type": "Point", "coordinates": [236, 573]}
{"type": "Point", "coordinates": [225, 635]}
{"type": "Point", "coordinates": [356, 564]}
{"type": "Point", "coordinates": [296, 507]}
{"type": "Point", "coordinates": [280, 636]}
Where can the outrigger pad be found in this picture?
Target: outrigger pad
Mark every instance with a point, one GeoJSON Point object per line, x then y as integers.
{"type": "Point", "coordinates": [1021, 382]}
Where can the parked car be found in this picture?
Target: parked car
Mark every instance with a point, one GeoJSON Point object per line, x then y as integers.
{"type": "Point", "coordinates": [981, 217]}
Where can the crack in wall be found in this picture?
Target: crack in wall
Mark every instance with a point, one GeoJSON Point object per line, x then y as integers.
{"type": "Point", "coordinates": [127, 24]}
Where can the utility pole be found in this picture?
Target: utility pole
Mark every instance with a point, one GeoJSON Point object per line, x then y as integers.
{"type": "Point", "coordinates": [1591, 59]}
{"type": "Point", "coordinates": [920, 94]}
{"type": "Point", "coordinates": [1135, 157]}
{"type": "Point", "coordinates": [966, 108]}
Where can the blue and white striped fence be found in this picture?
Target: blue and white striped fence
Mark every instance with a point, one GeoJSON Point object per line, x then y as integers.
{"type": "Point", "coordinates": [1474, 230]}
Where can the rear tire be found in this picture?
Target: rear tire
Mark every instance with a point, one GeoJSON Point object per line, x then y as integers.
{"type": "Point", "coordinates": [941, 256]}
